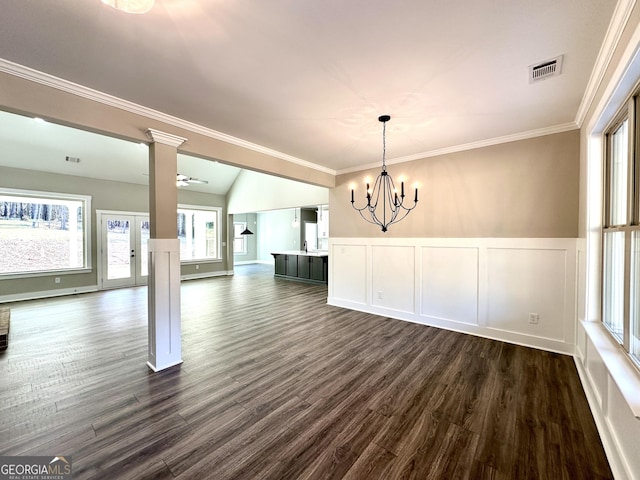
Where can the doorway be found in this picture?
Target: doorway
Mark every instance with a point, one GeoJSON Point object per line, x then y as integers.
{"type": "Point", "coordinates": [123, 252]}
{"type": "Point", "coordinates": [311, 235]}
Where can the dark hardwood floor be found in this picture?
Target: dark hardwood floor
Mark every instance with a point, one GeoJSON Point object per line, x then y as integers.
{"type": "Point", "coordinates": [275, 384]}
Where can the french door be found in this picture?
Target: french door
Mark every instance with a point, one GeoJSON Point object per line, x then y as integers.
{"type": "Point", "coordinates": [123, 249]}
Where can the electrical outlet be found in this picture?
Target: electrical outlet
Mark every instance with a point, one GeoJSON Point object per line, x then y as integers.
{"type": "Point", "coordinates": [380, 295]}
{"type": "Point", "coordinates": [197, 267]}
{"type": "Point", "coordinates": [56, 280]}
{"type": "Point", "coordinates": [534, 318]}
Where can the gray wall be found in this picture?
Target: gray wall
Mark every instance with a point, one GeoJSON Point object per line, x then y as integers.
{"type": "Point", "coordinates": [105, 195]}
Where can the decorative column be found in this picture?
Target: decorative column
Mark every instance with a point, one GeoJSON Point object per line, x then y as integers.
{"type": "Point", "coordinates": [165, 348]}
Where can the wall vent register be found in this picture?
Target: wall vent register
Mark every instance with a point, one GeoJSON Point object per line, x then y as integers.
{"type": "Point", "coordinates": [546, 69]}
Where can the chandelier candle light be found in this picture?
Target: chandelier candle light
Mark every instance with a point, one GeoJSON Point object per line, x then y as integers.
{"type": "Point", "coordinates": [384, 196]}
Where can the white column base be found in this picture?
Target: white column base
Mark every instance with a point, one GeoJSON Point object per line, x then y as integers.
{"type": "Point", "coordinates": [165, 348]}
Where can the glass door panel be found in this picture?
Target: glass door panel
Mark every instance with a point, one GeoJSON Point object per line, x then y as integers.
{"type": "Point", "coordinates": [124, 252]}
{"type": "Point", "coordinates": [118, 248]}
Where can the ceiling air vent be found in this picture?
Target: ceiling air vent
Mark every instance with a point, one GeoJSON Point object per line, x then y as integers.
{"type": "Point", "coordinates": [73, 159]}
{"type": "Point", "coordinates": [546, 69]}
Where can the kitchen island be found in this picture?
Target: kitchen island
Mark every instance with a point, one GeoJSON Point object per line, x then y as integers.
{"type": "Point", "coordinates": [311, 267]}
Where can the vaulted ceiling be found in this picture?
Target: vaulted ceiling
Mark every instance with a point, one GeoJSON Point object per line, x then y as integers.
{"type": "Point", "coordinates": [310, 78]}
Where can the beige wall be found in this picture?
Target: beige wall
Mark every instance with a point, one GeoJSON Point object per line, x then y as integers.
{"type": "Point", "coordinates": [522, 189]}
{"type": "Point", "coordinates": [105, 195]}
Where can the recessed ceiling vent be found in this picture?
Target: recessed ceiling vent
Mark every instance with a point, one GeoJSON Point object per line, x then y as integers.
{"type": "Point", "coordinates": [546, 69]}
{"type": "Point", "coordinates": [72, 159]}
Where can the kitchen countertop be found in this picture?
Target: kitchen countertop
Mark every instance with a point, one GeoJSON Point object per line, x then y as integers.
{"type": "Point", "coordinates": [311, 253]}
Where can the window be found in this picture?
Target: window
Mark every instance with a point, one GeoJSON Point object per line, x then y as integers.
{"type": "Point", "coordinates": [621, 232]}
{"type": "Point", "coordinates": [199, 233]}
{"type": "Point", "coordinates": [239, 241]}
{"type": "Point", "coordinates": [45, 232]}
{"type": "Point", "coordinates": [635, 295]}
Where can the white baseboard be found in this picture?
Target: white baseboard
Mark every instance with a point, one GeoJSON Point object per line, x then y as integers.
{"type": "Point", "coordinates": [540, 343]}
{"type": "Point", "coordinates": [47, 293]}
{"type": "Point", "coordinates": [489, 287]}
{"type": "Point", "coordinates": [196, 276]}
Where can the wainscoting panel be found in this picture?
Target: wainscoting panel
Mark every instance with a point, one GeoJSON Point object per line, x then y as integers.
{"type": "Point", "coordinates": [449, 287]}
{"type": "Point", "coordinates": [483, 286]}
{"type": "Point", "coordinates": [392, 285]}
{"type": "Point", "coordinates": [525, 282]}
{"type": "Point", "coordinates": [348, 273]}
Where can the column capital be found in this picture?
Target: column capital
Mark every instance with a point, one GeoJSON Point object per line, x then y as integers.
{"type": "Point", "coordinates": [165, 138]}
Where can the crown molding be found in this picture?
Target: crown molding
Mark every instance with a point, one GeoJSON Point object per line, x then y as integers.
{"type": "Point", "coordinates": [619, 20]}
{"type": "Point", "coordinates": [165, 138]}
{"type": "Point", "coordinates": [565, 127]}
{"type": "Point", "coordinates": [48, 80]}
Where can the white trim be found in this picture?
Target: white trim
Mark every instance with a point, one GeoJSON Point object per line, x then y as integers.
{"type": "Point", "coordinates": [201, 261]}
{"type": "Point", "coordinates": [623, 80]}
{"type": "Point", "coordinates": [165, 138]}
{"type": "Point", "coordinates": [164, 323]}
{"type": "Point", "coordinates": [607, 374]}
{"type": "Point", "coordinates": [86, 218]}
{"type": "Point", "coordinates": [616, 92]}
{"type": "Point", "coordinates": [197, 276]}
{"type": "Point", "coordinates": [45, 273]}
{"type": "Point", "coordinates": [102, 256]}
{"type": "Point", "coordinates": [42, 78]}
{"type": "Point", "coordinates": [540, 132]}
{"type": "Point", "coordinates": [121, 212]}
{"type": "Point", "coordinates": [66, 86]}
{"type": "Point", "coordinates": [607, 437]}
{"type": "Point", "coordinates": [561, 340]}
{"type": "Point", "coordinates": [18, 297]}
{"type": "Point", "coordinates": [205, 208]}
{"type": "Point", "coordinates": [619, 366]}
{"type": "Point", "coordinates": [619, 20]}
{"type": "Point", "coordinates": [530, 341]}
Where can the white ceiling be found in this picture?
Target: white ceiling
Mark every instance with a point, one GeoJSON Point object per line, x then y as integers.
{"type": "Point", "coordinates": [310, 78]}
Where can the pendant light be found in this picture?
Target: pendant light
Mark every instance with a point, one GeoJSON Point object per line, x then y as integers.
{"type": "Point", "coordinates": [384, 206]}
{"type": "Point", "coordinates": [246, 230]}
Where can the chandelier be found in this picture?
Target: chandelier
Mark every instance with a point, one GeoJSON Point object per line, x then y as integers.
{"type": "Point", "coordinates": [384, 205]}
{"type": "Point", "coordinates": [131, 6]}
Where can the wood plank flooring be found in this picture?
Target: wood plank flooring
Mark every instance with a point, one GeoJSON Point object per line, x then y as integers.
{"type": "Point", "coordinates": [275, 384]}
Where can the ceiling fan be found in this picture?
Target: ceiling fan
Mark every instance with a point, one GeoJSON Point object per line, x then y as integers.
{"type": "Point", "coordinates": [184, 181]}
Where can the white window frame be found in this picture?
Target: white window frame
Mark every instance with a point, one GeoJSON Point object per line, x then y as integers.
{"type": "Point", "coordinates": [218, 228]}
{"type": "Point", "coordinates": [87, 230]}
{"type": "Point", "coordinates": [243, 226]}
{"type": "Point", "coordinates": [628, 112]}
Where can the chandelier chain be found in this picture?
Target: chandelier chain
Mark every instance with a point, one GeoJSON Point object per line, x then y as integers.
{"type": "Point", "coordinates": [384, 146]}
